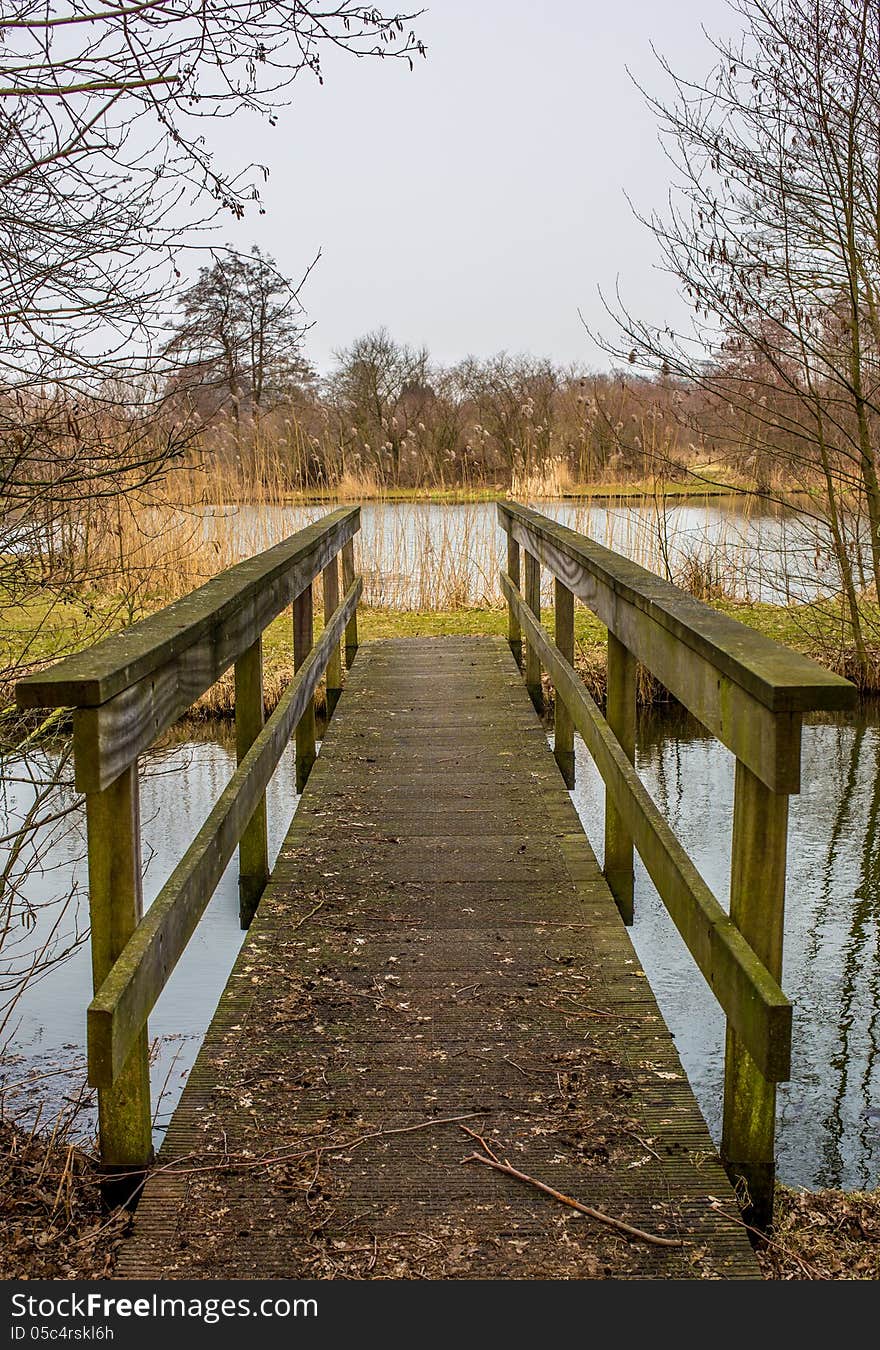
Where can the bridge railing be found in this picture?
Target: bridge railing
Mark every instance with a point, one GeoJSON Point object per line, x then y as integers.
{"type": "Point", "coordinates": [125, 692]}
{"type": "Point", "coordinates": [751, 693]}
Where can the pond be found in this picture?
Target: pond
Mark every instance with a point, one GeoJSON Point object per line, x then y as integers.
{"type": "Point", "coordinates": [421, 555]}
{"type": "Point", "coordinates": [424, 555]}
{"type": "Point", "coordinates": [829, 1115]}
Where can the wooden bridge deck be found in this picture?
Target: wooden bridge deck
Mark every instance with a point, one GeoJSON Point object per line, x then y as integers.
{"type": "Point", "coordinates": [436, 941]}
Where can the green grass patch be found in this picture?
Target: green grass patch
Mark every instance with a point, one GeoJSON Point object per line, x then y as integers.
{"type": "Point", "coordinates": [43, 630]}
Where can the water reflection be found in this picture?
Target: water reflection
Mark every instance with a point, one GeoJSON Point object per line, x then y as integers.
{"type": "Point", "coordinates": [179, 785]}
{"type": "Point", "coordinates": [421, 554]}
{"type": "Point", "coordinates": [829, 1114]}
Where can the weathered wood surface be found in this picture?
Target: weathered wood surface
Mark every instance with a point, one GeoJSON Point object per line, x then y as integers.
{"type": "Point", "coordinates": [747, 690]}
{"type": "Point", "coordinates": [116, 905]}
{"type": "Point", "coordinates": [749, 995]}
{"type": "Point", "coordinates": [620, 712]}
{"type": "Point", "coordinates": [250, 717]}
{"type": "Point", "coordinates": [436, 941]}
{"type": "Point", "coordinates": [129, 991]}
{"type": "Point", "coordinates": [757, 907]}
{"type": "Point", "coordinates": [220, 620]}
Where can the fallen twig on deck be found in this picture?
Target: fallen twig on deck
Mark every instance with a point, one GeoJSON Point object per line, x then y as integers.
{"type": "Point", "coordinates": [490, 1159]}
{"type": "Point", "coordinates": [319, 905]}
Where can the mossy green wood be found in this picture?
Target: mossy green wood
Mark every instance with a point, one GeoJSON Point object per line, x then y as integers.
{"type": "Point", "coordinates": [563, 727]}
{"type": "Point", "coordinates": [351, 631]}
{"type": "Point", "coordinates": [208, 629]}
{"type": "Point", "coordinates": [132, 984]}
{"type": "Point", "coordinates": [746, 689]}
{"type": "Point", "coordinates": [532, 593]}
{"type": "Point", "coordinates": [253, 847]}
{"type": "Point", "coordinates": [749, 995]}
{"type": "Point", "coordinates": [514, 635]}
{"type": "Point", "coordinates": [334, 662]}
{"type": "Point", "coordinates": [783, 680]}
{"type": "Point", "coordinates": [757, 907]}
{"type": "Point", "coordinates": [620, 713]}
{"type": "Point", "coordinates": [303, 640]}
{"type": "Point", "coordinates": [116, 907]}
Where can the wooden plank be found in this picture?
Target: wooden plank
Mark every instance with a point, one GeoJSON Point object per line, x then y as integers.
{"type": "Point", "coordinates": [211, 626]}
{"type": "Point", "coordinates": [253, 847]}
{"type": "Point", "coordinates": [747, 690]}
{"type": "Point", "coordinates": [563, 727]}
{"type": "Point", "coordinates": [780, 679]}
{"type": "Point", "coordinates": [757, 907]}
{"type": "Point", "coordinates": [514, 636]}
{"type": "Point", "coordinates": [620, 714]}
{"type": "Point", "coordinates": [116, 907]}
{"type": "Point", "coordinates": [121, 1006]}
{"type": "Point", "coordinates": [768, 742]}
{"type": "Point", "coordinates": [348, 575]}
{"type": "Point", "coordinates": [749, 995]}
{"type": "Point", "coordinates": [303, 641]}
{"type": "Point", "coordinates": [334, 664]}
{"type": "Point", "coordinates": [532, 596]}
{"type": "Point", "coordinates": [131, 721]}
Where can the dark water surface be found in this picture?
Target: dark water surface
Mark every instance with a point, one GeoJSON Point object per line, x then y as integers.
{"type": "Point", "coordinates": [829, 1115]}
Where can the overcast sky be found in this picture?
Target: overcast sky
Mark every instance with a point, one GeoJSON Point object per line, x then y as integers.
{"type": "Point", "coordinates": [478, 203]}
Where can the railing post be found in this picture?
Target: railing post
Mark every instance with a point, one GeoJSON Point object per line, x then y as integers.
{"type": "Point", "coordinates": [351, 628]}
{"type": "Point", "coordinates": [620, 713]}
{"type": "Point", "coordinates": [334, 665]}
{"type": "Point", "coordinates": [116, 907]}
{"type": "Point", "coordinates": [757, 907]}
{"type": "Point", "coordinates": [532, 597]}
{"type": "Point", "coordinates": [253, 847]}
{"type": "Point", "coordinates": [514, 633]}
{"type": "Point", "coordinates": [563, 727]}
{"type": "Point", "coordinates": [303, 639]}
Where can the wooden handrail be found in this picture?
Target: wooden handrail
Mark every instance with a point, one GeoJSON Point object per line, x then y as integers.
{"type": "Point", "coordinates": [748, 994]}
{"type": "Point", "coordinates": [751, 693]}
{"type": "Point", "coordinates": [781, 679]}
{"type": "Point", "coordinates": [125, 999]}
{"type": "Point", "coordinates": [243, 599]}
{"type": "Point", "coordinates": [125, 691]}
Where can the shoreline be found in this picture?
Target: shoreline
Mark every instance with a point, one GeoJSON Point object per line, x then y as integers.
{"type": "Point", "coordinates": [73, 627]}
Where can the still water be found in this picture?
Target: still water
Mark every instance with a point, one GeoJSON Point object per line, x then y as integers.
{"type": "Point", "coordinates": [829, 1115]}
{"type": "Point", "coordinates": [419, 554]}
{"type": "Point", "coordinates": [422, 555]}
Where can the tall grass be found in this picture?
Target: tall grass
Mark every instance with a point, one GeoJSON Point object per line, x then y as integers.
{"type": "Point", "coordinates": [152, 547]}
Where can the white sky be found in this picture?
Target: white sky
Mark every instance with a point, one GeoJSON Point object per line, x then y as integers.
{"type": "Point", "coordinates": [477, 203]}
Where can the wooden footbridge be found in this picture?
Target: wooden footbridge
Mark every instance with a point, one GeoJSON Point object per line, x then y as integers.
{"type": "Point", "coordinates": [437, 1055]}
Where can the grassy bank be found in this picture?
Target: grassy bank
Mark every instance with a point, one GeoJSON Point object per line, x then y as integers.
{"type": "Point", "coordinates": [635, 490]}
{"type": "Point", "coordinates": [47, 631]}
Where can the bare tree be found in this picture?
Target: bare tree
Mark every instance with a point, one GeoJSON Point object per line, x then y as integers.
{"type": "Point", "coordinates": [238, 340]}
{"type": "Point", "coordinates": [773, 232]}
{"type": "Point", "coordinates": [107, 180]}
{"type": "Point", "coordinates": [377, 390]}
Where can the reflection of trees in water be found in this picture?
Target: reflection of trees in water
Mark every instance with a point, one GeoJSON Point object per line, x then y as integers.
{"type": "Point", "coordinates": [832, 961]}
{"type": "Point", "coordinates": [854, 1061]}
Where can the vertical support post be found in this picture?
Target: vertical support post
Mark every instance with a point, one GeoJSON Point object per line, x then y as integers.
{"type": "Point", "coordinates": [514, 633]}
{"type": "Point", "coordinates": [757, 907]}
{"type": "Point", "coordinates": [351, 628]}
{"type": "Point", "coordinates": [116, 908]}
{"type": "Point", "coordinates": [253, 847]}
{"type": "Point", "coordinates": [334, 664]}
{"type": "Point", "coordinates": [563, 738]}
{"type": "Point", "coordinates": [303, 640]}
{"type": "Point", "coordinates": [620, 713]}
{"type": "Point", "coordinates": [532, 598]}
